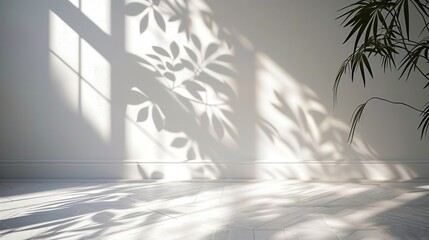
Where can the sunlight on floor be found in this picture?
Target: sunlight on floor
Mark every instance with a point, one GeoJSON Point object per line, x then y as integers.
{"type": "Point", "coordinates": [214, 210]}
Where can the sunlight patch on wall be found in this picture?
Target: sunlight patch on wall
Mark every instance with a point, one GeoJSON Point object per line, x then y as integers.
{"type": "Point", "coordinates": [63, 41]}
{"type": "Point", "coordinates": [65, 80]}
{"type": "Point", "coordinates": [138, 145]}
{"type": "Point", "coordinates": [95, 89]}
{"type": "Point", "coordinates": [75, 3]}
{"type": "Point", "coordinates": [64, 59]}
{"type": "Point", "coordinates": [146, 144]}
{"type": "Point", "coordinates": [95, 70]}
{"type": "Point", "coordinates": [286, 102]}
{"type": "Point", "coordinates": [299, 127]}
{"type": "Point", "coordinates": [98, 11]}
{"type": "Point", "coordinates": [81, 74]}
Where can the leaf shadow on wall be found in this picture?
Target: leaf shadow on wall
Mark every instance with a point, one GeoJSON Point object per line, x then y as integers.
{"type": "Point", "coordinates": [214, 81]}
{"type": "Point", "coordinates": [201, 92]}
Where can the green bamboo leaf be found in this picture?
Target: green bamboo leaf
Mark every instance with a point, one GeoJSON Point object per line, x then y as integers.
{"type": "Point", "coordinates": [347, 14]}
{"type": "Point", "coordinates": [355, 120]}
{"type": "Point", "coordinates": [341, 71]}
{"type": "Point", "coordinates": [407, 18]}
{"type": "Point", "coordinates": [362, 71]}
{"type": "Point", "coordinates": [368, 66]}
{"type": "Point", "coordinates": [352, 32]}
{"type": "Point", "coordinates": [337, 84]}
{"type": "Point", "coordinates": [424, 127]}
{"type": "Point", "coordinates": [375, 27]}
{"type": "Point", "coordinates": [359, 34]}
{"type": "Point", "coordinates": [407, 63]}
{"type": "Point", "coordinates": [354, 63]}
{"type": "Point", "coordinates": [382, 20]}
{"type": "Point", "coordinates": [368, 31]}
{"type": "Point", "coordinates": [424, 123]}
{"type": "Point", "coordinates": [398, 12]}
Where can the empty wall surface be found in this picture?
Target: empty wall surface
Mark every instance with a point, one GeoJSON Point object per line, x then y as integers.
{"type": "Point", "coordinates": [189, 89]}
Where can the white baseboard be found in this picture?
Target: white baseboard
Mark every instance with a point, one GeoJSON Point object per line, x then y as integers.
{"type": "Point", "coordinates": [309, 170]}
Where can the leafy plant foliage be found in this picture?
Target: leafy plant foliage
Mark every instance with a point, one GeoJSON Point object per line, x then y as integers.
{"type": "Point", "coordinates": [383, 29]}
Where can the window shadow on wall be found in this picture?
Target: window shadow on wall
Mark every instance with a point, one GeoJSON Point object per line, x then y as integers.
{"type": "Point", "coordinates": [185, 86]}
{"type": "Point", "coordinates": [38, 124]}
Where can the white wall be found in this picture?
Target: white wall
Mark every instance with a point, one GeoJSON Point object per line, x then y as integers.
{"type": "Point", "coordinates": [76, 74]}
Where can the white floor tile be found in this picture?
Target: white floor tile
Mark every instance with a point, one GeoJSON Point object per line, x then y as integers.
{"type": "Point", "coordinates": [364, 235]}
{"type": "Point", "coordinates": [266, 210]}
{"type": "Point", "coordinates": [277, 234]}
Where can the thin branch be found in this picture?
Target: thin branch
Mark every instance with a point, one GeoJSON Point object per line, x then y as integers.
{"type": "Point", "coordinates": [396, 103]}
{"type": "Point", "coordinates": [359, 110]}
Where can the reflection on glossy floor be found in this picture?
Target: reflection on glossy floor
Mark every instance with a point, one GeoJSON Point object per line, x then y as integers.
{"type": "Point", "coordinates": [214, 210]}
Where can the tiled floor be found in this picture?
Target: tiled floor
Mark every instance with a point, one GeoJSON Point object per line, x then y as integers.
{"type": "Point", "coordinates": [214, 210]}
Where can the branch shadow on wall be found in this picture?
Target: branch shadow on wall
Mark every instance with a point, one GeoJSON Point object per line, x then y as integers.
{"type": "Point", "coordinates": [205, 91]}
{"type": "Point", "coordinates": [169, 85]}
{"type": "Point", "coordinates": [201, 92]}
